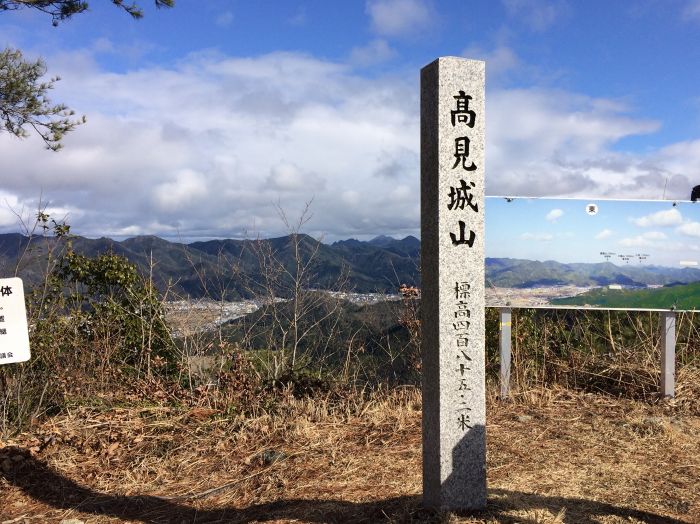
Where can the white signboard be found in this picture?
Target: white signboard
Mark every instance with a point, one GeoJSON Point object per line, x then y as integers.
{"type": "Point", "coordinates": [14, 335]}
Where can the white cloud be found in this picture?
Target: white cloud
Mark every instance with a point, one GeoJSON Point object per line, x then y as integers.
{"type": "Point", "coordinates": [402, 193]}
{"type": "Point", "coordinates": [638, 241]}
{"type": "Point", "coordinates": [554, 215]}
{"type": "Point", "coordinates": [224, 19]}
{"type": "Point", "coordinates": [207, 147]}
{"type": "Point", "coordinates": [555, 143]}
{"type": "Point", "coordinates": [647, 239]}
{"type": "Point", "coordinates": [678, 159]}
{"type": "Point", "coordinates": [187, 188]}
{"type": "Point", "coordinates": [10, 208]}
{"type": "Point", "coordinates": [286, 177]}
{"type": "Point", "coordinates": [351, 197]}
{"type": "Point", "coordinates": [692, 10]}
{"type": "Point", "coordinates": [691, 229]}
{"type": "Point", "coordinates": [539, 15]}
{"type": "Point", "coordinates": [670, 217]}
{"type": "Point", "coordinates": [557, 121]}
{"type": "Point", "coordinates": [499, 60]}
{"type": "Point", "coordinates": [655, 235]}
{"type": "Point", "coordinates": [537, 237]}
{"type": "Point", "coordinates": [299, 18]}
{"type": "Point", "coordinates": [605, 233]}
{"type": "Point", "coordinates": [375, 52]}
{"type": "Point", "coordinates": [399, 17]}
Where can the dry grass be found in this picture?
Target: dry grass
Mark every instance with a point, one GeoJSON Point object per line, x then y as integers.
{"type": "Point", "coordinates": [554, 456]}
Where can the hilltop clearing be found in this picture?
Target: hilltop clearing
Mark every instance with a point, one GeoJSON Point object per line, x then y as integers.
{"type": "Point", "coordinates": [553, 456]}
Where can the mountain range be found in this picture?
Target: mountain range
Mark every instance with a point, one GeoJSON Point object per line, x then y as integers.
{"type": "Point", "coordinates": [236, 269]}
{"type": "Point", "coordinates": [518, 273]}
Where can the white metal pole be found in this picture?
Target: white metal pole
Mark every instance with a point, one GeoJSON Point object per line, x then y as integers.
{"type": "Point", "coordinates": [505, 341]}
{"type": "Point", "coordinates": [668, 353]}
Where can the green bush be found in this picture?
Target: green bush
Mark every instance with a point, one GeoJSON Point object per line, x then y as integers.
{"type": "Point", "coordinates": [95, 323]}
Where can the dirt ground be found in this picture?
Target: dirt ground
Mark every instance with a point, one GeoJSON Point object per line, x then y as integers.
{"type": "Point", "coordinates": [553, 456]}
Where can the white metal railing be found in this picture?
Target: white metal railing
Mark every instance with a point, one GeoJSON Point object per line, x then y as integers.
{"type": "Point", "coordinates": [668, 352]}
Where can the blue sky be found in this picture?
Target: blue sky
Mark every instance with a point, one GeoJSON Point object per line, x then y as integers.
{"type": "Point", "coordinates": [214, 118]}
{"type": "Point", "coordinates": [646, 232]}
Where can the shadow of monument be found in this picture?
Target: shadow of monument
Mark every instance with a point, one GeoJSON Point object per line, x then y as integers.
{"type": "Point", "coordinates": [466, 486]}
{"type": "Point", "coordinates": [470, 454]}
{"type": "Point", "coordinates": [42, 483]}
{"type": "Point", "coordinates": [576, 510]}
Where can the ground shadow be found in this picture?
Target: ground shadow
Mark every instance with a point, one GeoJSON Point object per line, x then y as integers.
{"type": "Point", "coordinates": [37, 480]}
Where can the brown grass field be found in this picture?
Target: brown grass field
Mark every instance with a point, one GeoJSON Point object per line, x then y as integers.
{"type": "Point", "coordinates": [553, 456]}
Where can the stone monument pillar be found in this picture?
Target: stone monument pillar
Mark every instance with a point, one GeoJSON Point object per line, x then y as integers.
{"type": "Point", "coordinates": [452, 275]}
